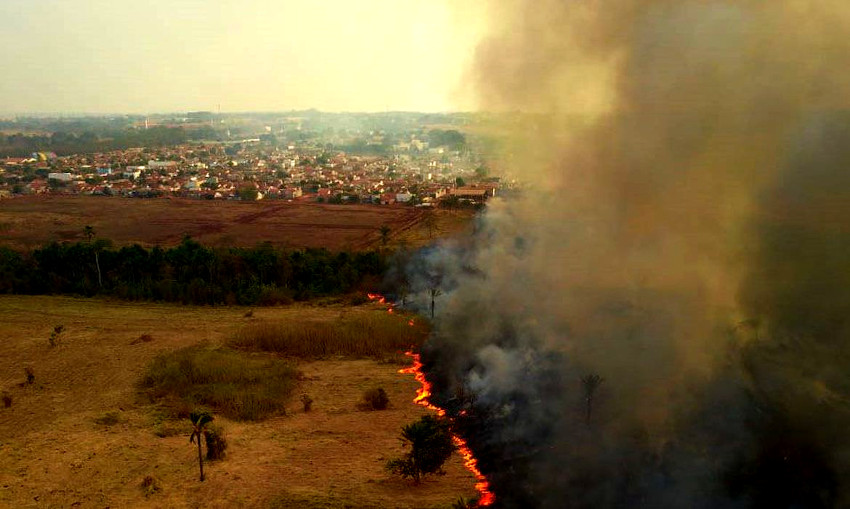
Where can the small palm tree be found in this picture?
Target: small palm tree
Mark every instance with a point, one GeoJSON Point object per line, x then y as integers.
{"type": "Point", "coordinates": [199, 425]}
{"type": "Point", "coordinates": [431, 445]}
{"type": "Point", "coordinates": [590, 383]}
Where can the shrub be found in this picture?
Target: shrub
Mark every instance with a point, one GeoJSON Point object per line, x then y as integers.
{"type": "Point", "coordinates": [54, 335]}
{"type": "Point", "coordinates": [7, 399]}
{"type": "Point", "coordinates": [357, 299]}
{"type": "Point", "coordinates": [463, 503]}
{"type": "Point", "coordinates": [430, 446]}
{"type": "Point", "coordinates": [361, 335]}
{"type": "Point", "coordinates": [150, 486]}
{"type": "Point", "coordinates": [307, 401]}
{"type": "Point", "coordinates": [233, 384]}
{"type": "Point", "coordinates": [168, 429]}
{"type": "Point", "coordinates": [374, 399]}
{"type": "Point", "coordinates": [108, 419]}
{"type": "Point", "coordinates": [216, 442]}
{"type": "Point", "coordinates": [30, 374]}
{"type": "Point", "coordinates": [144, 338]}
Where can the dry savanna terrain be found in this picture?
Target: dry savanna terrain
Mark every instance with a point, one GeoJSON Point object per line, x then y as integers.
{"type": "Point", "coordinates": [84, 434]}
{"type": "Point", "coordinates": [35, 220]}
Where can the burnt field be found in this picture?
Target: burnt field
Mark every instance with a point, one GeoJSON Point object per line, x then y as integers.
{"type": "Point", "coordinates": [34, 221]}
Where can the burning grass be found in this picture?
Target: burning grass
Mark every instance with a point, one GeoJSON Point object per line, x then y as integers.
{"type": "Point", "coordinates": [363, 335]}
{"type": "Point", "coordinates": [228, 382]}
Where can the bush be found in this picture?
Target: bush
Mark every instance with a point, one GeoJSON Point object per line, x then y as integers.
{"type": "Point", "coordinates": [168, 429]}
{"type": "Point", "coordinates": [144, 338]}
{"type": "Point", "coordinates": [357, 299]}
{"type": "Point", "coordinates": [362, 335]}
{"type": "Point", "coordinates": [7, 399]}
{"type": "Point", "coordinates": [463, 503]}
{"type": "Point", "coordinates": [374, 399]}
{"type": "Point", "coordinates": [307, 401]}
{"type": "Point", "coordinates": [54, 335]}
{"type": "Point", "coordinates": [30, 374]}
{"type": "Point", "coordinates": [430, 446]}
{"type": "Point", "coordinates": [108, 419]}
{"type": "Point", "coordinates": [150, 486]}
{"type": "Point", "coordinates": [216, 442]}
{"type": "Point", "coordinates": [239, 387]}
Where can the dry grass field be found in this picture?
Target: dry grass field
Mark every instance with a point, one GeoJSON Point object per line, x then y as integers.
{"type": "Point", "coordinates": [35, 220]}
{"type": "Point", "coordinates": [57, 449]}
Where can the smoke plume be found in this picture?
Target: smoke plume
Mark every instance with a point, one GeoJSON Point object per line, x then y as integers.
{"type": "Point", "coordinates": [684, 236]}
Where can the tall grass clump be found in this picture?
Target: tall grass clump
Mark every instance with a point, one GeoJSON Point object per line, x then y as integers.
{"type": "Point", "coordinates": [361, 335]}
{"type": "Point", "coordinates": [225, 381]}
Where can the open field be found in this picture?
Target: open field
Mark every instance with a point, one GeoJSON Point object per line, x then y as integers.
{"type": "Point", "coordinates": [53, 453]}
{"type": "Point", "coordinates": [35, 220]}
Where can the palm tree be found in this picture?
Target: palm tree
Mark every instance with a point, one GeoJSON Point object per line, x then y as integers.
{"type": "Point", "coordinates": [430, 222]}
{"type": "Point", "coordinates": [199, 425]}
{"type": "Point", "coordinates": [385, 235]}
{"type": "Point", "coordinates": [89, 233]}
{"type": "Point", "coordinates": [590, 382]}
{"type": "Point", "coordinates": [435, 292]}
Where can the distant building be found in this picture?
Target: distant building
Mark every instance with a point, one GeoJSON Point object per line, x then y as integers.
{"type": "Point", "coordinates": [473, 193]}
{"type": "Point", "coordinates": [161, 165]}
{"type": "Point", "coordinates": [61, 177]}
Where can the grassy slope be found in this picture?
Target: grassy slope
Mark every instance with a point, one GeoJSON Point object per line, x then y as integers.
{"type": "Point", "coordinates": [53, 453]}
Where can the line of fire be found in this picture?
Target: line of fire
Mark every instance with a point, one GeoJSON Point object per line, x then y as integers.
{"type": "Point", "coordinates": [423, 393]}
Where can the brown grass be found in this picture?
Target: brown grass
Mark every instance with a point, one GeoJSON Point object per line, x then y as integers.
{"type": "Point", "coordinates": [35, 220]}
{"type": "Point", "coordinates": [374, 334]}
{"type": "Point", "coordinates": [53, 455]}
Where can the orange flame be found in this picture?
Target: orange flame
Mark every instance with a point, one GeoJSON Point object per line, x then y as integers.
{"type": "Point", "coordinates": [376, 296]}
{"type": "Point", "coordinates": [486, 497]}
{"type": "Point", "coordinates": [380, 299]}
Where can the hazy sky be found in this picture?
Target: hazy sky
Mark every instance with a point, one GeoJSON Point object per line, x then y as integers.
{"type": "Point", "coordinates": [73, 56]}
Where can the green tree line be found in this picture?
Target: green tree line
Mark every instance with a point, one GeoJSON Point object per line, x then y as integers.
{"type": "Point", "coordinates": [190, 272]}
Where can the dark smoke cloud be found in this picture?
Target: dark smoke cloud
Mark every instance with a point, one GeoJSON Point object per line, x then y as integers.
{"type": "Point", "coordinates": [686, 237]}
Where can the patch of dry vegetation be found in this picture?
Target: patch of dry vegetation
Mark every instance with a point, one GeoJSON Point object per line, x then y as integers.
{"type": "Point", "coordinates": [363, 335]}
{"type": "Point", "coordinates": [228, 382]}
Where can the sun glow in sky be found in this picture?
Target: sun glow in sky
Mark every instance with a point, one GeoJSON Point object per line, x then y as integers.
{"type": "Point", "coordinates": [102, 56]}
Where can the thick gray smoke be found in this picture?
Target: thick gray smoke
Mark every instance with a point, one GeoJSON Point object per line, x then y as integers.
{"type": "Point", "coordinates": [686, 237]}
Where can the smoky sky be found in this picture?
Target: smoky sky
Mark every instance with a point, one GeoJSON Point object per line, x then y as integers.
{"type": "Point", "coordinates": [684, 235]}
